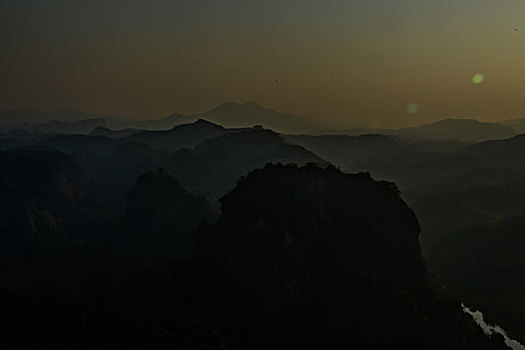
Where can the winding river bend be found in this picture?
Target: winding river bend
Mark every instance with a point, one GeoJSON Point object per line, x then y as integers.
{"type": "Point", "coordinates": [488, 329]}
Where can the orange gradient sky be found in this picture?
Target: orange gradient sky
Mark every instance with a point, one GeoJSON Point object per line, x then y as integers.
{"type": "Point", "coordinates": [346, 62]}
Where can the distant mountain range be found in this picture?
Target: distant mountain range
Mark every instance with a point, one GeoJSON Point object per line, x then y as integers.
{"type": "Point", "coordinates": [234, 115]}
{"type": "Point", "coordinates": [450, 129]}
{"type": "Point", "coordinates": [60, 178]}
{"type": "Point", "coordinates": [230, 115]}
{"type": "Point", "coordinates": [460, 129]}
{"type": "Point", "coordinates": [152, 124]}
{"type": "Point", "coordinates": [12, 117]}
{"type": "Point", "coordinates": [79, 123]}
{"type": "Point", "coordinates": [250, 114]}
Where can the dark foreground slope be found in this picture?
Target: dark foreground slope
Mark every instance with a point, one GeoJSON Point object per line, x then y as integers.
{"type": "Point", "coordinates": [161, 216]}
{"type": "Point", "coordinates": [314, 258]}
{"type": "Point", "coordinates": [301, 258]}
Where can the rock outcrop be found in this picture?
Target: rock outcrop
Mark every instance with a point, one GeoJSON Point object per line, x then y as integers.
{"type": "Point", "coordinates": [315, 258]}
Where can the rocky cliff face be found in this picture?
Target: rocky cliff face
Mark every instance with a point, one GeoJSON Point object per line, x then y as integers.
{"type": "Point", "coordinates": [319, 258]}
{"type": "Point", "coordinates": [38, 187]}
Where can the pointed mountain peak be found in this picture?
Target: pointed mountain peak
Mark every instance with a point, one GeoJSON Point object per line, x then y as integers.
{"type": "Point", "coordinates": [204, 122]}
{"type": "Point", "coordinates": [200, 123]}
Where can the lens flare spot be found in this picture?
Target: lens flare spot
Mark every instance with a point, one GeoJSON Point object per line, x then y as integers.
{"type": "Point", "coordinates": [478, 78]}
{"type": "Point", "coordinates": [412, 108]}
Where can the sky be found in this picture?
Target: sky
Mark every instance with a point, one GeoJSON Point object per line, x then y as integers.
{"type": "Point", "coordinates": [374, 63]}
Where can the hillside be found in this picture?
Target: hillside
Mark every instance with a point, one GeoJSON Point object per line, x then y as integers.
{"type": "Point", "coordinates": [214, 166]}
{"type": "Point", "coordinates": [161, 216]}
{"type": "Point", "coordinates": [180, 136]}
{"type": "Point", "coordinates": [343, 150]}
{"type": "Point", "coordinates": [506, 153]}
{"type": "Point", "coordinates": [318, 256]}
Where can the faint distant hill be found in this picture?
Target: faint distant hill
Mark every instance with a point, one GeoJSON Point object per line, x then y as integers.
{"type": "Point", "coordinates": [466, 130]}
{"type": "Point", "coordinates": [507, 153]}
{"type": "Point", "coordinates": [11, 119]}
{"type": "Point", "coordinates": [461, 129]}
{"type": "Point", "coordinates": [84, 126]}
{"type": "Point", "coordinates": [152, 124]}
{"type": "Point", "coordinates": [26, 116]}
{"type": "Point", "coordinates": [59, 122]}
{"type": "Point", "coordinates": [343, 150]}
{"type": "Point", "coordinates": [234, 115]}
{"type": "Point", "coordinates": [517, 124]}
{"type": "Point", "coordinates": [21, 134]}
{"type": "Point", "coordinates": [230, 115]}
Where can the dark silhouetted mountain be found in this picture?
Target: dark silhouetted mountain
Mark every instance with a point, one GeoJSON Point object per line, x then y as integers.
{"type": "Point", "coordinates": [215, 165]}
{"type": "Point", "coordinates": [113, 176]}
{"type": "Point", "coordinates": [307, 258]}
{"type": "Point", "coordinates": [314, 258]}
{"type": "Point", "coordinates": [343, 150]}
{"type": "Point", "coordinates": [447, 184]}
{"type": "Point", "coordinates": [117, 134]}
{"type": "Point", "coordinates": [161, 216]}
{"type": "Point", "coordinates": [233, 115]}
{"type": "Point", "coordinates": [115, 173]}
{"type": "Point", "coordinates": [484, 264]}
{"type": "Point", "coordinates": [181, 136]}
{"type": "Point", "coordinates": [457, 188]}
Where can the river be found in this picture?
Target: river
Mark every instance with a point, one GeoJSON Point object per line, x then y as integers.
{"type": "Point", "coordinates": [488, 329]}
